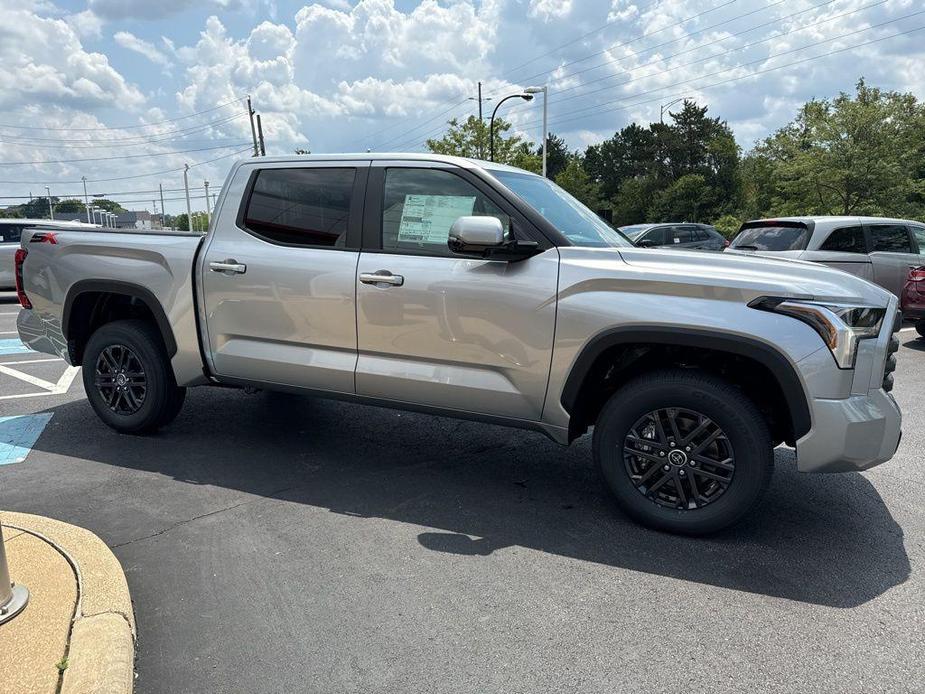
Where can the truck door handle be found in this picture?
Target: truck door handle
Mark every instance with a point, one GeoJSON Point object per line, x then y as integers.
{"type": "Point", "coordinates": [230, 266]}
{"type": "Point", "coordinates": [382, 277]}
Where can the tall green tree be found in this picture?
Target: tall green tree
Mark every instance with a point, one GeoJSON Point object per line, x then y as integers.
{"type": "Point", "coordinates": [855, 154]}
{"type": "Point", "coordinates": [557, 155]}
{"type": "Point", "coordinates": [576, 181]}
{"type": "Point", "coordinates": [471, 138]}
{"type": "Point", "coordinates": [70, 205]}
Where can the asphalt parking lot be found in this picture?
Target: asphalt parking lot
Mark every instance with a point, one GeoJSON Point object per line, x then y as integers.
{"type": "Point", "coordinates": [282, 544]}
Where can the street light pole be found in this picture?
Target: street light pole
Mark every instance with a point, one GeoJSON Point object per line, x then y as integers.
{"type": "Point", "coordinates": [51, 209]}
{"type": "Point", "coordinates": [86, 198]}
{"type": "Point", "coordinates": [545, 91]}
{"type": "Point", "coordinates": [491, 124]}
{"type": "Point", "coordinates": [208, 207]}
{"type": "Point", "coordinates": [663, 108]}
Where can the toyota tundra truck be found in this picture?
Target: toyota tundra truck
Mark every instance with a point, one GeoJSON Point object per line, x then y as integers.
{"type": "Point", "coordinates": [471, 289]}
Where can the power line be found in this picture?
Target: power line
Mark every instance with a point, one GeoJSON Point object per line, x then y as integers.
{"type": "Point", "coordinates": [403, 135]}
{"type": "Point", "coordinates": [131, 141]}
{"type": "Point", "coordinates": [125, 178]}
{"type": "Point", "coordinates": [650, 6]}
{"type": "Point", "coordinates": [106, 194]}
{"type": "Point", "coordinates": [742, 77]}
{"type": "Point", "coordinates": [728, 52]}
{"type": "Point", "coordinates": [633, 40]}
{"type": "Point", "coordinates": [124, 156]}
{"type": "Point", "coordinates": [124, 127]}
{"type": "Point", "coordinates": [379, 132]}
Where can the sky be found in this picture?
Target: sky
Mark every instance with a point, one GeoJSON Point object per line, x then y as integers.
{"type": "Point", "coordinates": [124, 93]}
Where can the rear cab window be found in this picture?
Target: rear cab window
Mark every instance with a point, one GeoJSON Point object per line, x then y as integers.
{"type": "Point", "coordinates": [846, 240]}
{"type": "Point", "coordinates": [772, 236]}
{"type": "Point", "coordinates": [919, 233]}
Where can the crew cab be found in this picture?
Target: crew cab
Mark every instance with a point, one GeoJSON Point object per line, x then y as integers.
{"type": "Point", "coordinates": [476, 290]}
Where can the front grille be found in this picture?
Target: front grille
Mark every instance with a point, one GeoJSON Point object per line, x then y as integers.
{"type": "Point", "coordinates": [890, 366]}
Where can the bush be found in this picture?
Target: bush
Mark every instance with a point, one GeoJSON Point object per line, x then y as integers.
{"type": "Point", "coordinates": [727, 225]}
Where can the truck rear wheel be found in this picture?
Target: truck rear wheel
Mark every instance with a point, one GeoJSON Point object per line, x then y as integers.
{"type": "Point", "coordinates": [128, 378]}
{"type": "Point", "coordinates": [683, 451]}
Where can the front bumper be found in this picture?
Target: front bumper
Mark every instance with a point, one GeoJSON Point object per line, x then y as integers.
{"type": "Point", "coordinates": [850, 434]}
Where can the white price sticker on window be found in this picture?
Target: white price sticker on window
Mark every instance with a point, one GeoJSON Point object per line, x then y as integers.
{"type": "Point", "coordinates": [428, 218]}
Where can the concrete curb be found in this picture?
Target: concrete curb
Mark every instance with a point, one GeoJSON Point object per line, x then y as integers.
{"type": "Point", "coordinates": [101, 649]}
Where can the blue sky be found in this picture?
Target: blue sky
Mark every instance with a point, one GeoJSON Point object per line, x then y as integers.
{"type": "Point", "coordinates": [102, 79]}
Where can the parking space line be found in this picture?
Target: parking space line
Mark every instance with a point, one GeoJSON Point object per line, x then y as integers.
{"type": "Point", "coordinates": [30, 361]}
{"type": "Point", "coordinates": [48, 388]}
{"type": "Point", "coordinates": [18, 435]}
{"type": "Point", "coordinates": [8, 332]}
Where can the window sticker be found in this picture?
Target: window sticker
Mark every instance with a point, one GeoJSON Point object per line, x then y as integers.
{"type": "Point", "coordinates": [428, 218]}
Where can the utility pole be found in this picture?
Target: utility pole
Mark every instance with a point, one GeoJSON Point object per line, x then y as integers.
{"type": "Point", "coordinates": [189, 211]}
{"type": "Point", "coordinates": [263, 150]}
{"type": "Point", "coordinates": [208, 207]}
{"type": "Point", "coordinates": [154, 205]}
{"type": "Point", "coordinates": [51, 209]}
{"type": "Point", "coordinates": [250, 114]}
{"type": "Point", "coordinates": [160, 187]}
{"type": "Point", "coordinates": [86, 199]}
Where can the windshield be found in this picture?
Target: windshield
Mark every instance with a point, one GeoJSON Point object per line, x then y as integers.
{"type": "Point", "coordinates": [772, 237]}
{"type": "Point", "coordinates": [634, 231]}
{"type": "Point", "coordinates": [575, 221]}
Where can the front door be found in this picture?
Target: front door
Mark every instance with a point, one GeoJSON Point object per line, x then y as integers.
{"type": "Point", "coordinates": [279, 277]}
{"type": "Point", "coordinates": [443, 330]}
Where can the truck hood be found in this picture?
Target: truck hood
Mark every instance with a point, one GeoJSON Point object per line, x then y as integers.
{"type": "Point", "coordinates": [750, 276]}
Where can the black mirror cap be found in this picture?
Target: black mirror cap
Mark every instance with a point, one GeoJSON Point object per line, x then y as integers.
{"type": "Point", "coordinates": [510, 251]}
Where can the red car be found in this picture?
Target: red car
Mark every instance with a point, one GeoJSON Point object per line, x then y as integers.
{"type": "Point", "coordinates": [913, 298]}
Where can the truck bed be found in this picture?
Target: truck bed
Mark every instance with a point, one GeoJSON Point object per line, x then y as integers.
{"type": "Point", "coordinates": [153, 267]}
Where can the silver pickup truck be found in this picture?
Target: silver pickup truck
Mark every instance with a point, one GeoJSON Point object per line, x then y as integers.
{"type": "Point", "coordinates": [475, 290]}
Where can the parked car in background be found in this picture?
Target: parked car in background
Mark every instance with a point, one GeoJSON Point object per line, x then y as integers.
{"type": "Point", "coordinates": [476, 290]}
{"type": "Point", "coordinates": [10, 233]}
{"type": "Point", "coordinates": [877, 249]}
{"type": "Point", "coordinates": [676, 235]}
{"type": "Point", "coordinates": [912, 300]}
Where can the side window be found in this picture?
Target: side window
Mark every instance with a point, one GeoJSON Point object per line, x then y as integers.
{"type": "Point", "coordinates": [304, 207]}
{"type": "Point", "coordinates": [892, 238]}
{"type": "Point", "coordinates": [680, 235]}
{"type": "Point", "coordinates": [420, 206]}
{"type": "Point", "coordinates": [700, 234]}
{"type": "Point", "coordinates": [919, 233]}
{"type": "Point", "coordinates": [658, 237]}
{"type": "Point", "coordinates": [845, 240]}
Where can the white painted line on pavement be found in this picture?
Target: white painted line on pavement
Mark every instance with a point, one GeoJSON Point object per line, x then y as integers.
{"type": "Point", "coordinates": [30, 361]}
{"type": "Point", "coordinates": [9, 332]}
{"type": "Point", "coordinates": [59, 388]}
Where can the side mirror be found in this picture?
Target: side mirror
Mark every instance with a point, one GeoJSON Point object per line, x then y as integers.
{"type": "Point", "coordinates": [475, 235]}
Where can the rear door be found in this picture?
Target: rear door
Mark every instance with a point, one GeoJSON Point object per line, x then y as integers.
{"type": "Point", "coordinates": [279, 276]}
{"type": "Point", "coordinates": [845, 248]}
{"type": "Point", "coordinates": [892, 255]}
{"type": "Point", "coordinates": [441, 329]}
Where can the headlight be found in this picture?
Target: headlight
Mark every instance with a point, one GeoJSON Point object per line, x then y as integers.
{"type": "Point", "coordinates": [840, 326]}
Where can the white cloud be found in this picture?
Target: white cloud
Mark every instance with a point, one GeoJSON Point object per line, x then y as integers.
{"type": "Point", "coordinates": [550, 9]}
{"type": "Point", "coordinates": [45, 63]}
{"type": "Point", "coordinates": [86, 24]}
{"type": "Point", "coordinates": [145, 48]}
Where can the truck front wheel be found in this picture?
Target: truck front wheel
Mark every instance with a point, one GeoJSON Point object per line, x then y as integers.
{"type": "Point", "coordinates": [128, 378]}
{"type": "Point", "coordinates": [683, 451]}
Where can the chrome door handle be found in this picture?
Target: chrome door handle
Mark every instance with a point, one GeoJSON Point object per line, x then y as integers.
{"type": "Point", "coordinates": [229, 266]}
{"type": "Point", "coordinates": [382, 277]}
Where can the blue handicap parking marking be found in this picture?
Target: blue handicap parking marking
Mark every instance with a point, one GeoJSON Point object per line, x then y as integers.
{"type": "Point", "coordinates": [18, 435]}
{"type": "Point", "coordinates": [12, 346]}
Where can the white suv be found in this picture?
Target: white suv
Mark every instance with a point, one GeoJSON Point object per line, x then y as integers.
{"type": "Point", "coordinates": [878, 249]}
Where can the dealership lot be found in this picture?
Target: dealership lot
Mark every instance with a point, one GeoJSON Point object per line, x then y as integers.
{"type": "Point", "coordinates": [275, 543]}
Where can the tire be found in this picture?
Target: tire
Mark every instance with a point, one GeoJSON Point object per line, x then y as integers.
{"type": "Point", "coordinates": [730, 474]}
{"type": "Point", "coordinates": [920, 327]}
{"type": "Point", "coordinates": [149, 397]}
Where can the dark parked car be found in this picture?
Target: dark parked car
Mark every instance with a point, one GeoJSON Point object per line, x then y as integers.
{"type": "Point", "coordinates": [913, 298]}
{"type": "Point", "coordinates": [673, 235]}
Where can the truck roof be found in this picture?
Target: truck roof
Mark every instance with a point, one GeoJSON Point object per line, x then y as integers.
{"type": "Point", "coordinates": [387, 156]}
{"type": "Point", "coordinates": [835, 219]}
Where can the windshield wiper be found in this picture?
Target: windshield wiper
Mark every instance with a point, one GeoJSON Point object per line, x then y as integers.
{"type": "Point", "coordinates": [746, 247]}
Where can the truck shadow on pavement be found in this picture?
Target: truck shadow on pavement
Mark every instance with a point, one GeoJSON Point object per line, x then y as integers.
{"type": "Point", "coordinates": [821, 539]}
